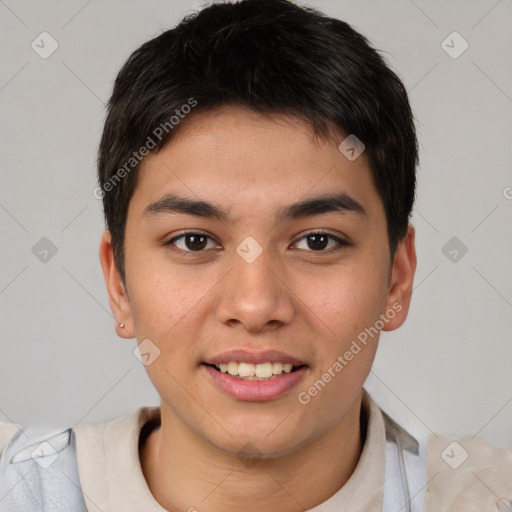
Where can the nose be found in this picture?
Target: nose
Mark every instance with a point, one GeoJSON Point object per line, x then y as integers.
{"type": "Point", "coordinates": [255, 294]}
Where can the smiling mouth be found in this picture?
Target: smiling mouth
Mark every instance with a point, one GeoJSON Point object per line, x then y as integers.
{"type": "Point", "coordinates": [250, 371]}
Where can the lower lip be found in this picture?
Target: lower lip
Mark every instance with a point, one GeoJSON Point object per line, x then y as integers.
{"type": "Point", "coordinates": [256, 390]}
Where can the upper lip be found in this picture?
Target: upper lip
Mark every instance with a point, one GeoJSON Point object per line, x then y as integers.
{"type": "Point", "coordinates": [245, 356]}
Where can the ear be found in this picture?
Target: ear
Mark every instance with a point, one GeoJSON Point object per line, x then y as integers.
{"type": "Point", "coordinates": [117, 296]}
{"type": "Point", "coordinates": [401, 282]}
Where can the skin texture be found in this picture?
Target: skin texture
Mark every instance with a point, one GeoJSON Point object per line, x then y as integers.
{"type": "Point", "coordinates": [307, 302]}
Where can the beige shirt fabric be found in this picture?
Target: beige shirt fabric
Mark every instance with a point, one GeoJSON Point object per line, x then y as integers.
{"type": "Point", "coordinates": [112, 478]}
{"type": "Point", "coordinates": [467, 475]}
{"type": "Point", "coordinates": [7, 430]}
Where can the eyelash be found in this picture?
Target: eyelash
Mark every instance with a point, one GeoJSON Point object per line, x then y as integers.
{"type": "Point", "coordinates": [341, 243]}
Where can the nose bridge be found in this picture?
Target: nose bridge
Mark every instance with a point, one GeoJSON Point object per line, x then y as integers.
{"type": "Point", "coordinates": [253, 292]}
{"type": "Point", "coordinates": [256, 268]}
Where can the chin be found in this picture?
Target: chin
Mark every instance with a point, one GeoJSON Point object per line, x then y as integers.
{"type": "Point", "coordinates": [254, 445]}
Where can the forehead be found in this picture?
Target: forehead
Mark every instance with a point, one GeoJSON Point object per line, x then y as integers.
{"type": "Point", "coordinates": [244, 160]}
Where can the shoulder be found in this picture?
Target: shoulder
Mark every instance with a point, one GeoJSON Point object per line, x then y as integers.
{"type": "Point", "coordinates": [466, 473]}
{"type": "Point", "coordinates": [455, 473]}
{"type": "Point", "coordinates": [48, 466]}
{"type": "Point", "coordinates": [38, 466]}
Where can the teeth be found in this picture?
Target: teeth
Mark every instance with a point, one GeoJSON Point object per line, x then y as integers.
{"type": "Point", "coordinates": [233, 368]}
{"type": "Point", "coordinates": [254, 371]}
{"type": "Point", "coordinates": [264, 370]}
{"type": "Point", "coordinates": [287, 367]}
{"type": "Point", "coordinates": [246, 370]}
{"type": "Point", "coordinates": [277, 368]}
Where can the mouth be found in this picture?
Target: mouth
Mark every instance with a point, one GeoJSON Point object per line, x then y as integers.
{"type": "Point", "coordinates": [255, 372]}
{"type": "Point", "coordinates": [265, 379]}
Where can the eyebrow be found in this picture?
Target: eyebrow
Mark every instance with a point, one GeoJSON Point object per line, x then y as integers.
{"type": "Point", "coordinates": [340, 203]}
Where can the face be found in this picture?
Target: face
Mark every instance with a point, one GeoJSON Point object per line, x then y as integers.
{"type": "Point", "coordinates": [250, 271]}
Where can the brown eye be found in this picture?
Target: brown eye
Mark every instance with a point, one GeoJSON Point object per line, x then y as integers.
{"type": "Point", "coordinates": [190, 242]}
{"type": "Point", "coordinates": [195, 242]}
{"type": "Point", "coordinates": [319, 241]}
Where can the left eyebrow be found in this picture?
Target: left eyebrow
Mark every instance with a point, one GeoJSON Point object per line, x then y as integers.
{"type": "Point", "coordinates": [341, 203]}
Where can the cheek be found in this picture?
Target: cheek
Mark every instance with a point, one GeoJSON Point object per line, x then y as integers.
{"type": "Point", "coordinates": [164, 310]}
{"type": "Point", "coordinates": [162, 295]}
{"type": "Point", "coordinates": [349, 300]}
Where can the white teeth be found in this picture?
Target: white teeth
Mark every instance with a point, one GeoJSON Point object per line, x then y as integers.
{"type": "Point", "coordinates": [246, 370]}
{"type": "Point", "coordinates": [277, 368]}
{"type": "Point", "coordinates": [254, 371]}
{"type": "Point", "coordinates": [233, 368]}
{"type": "Point", "coordinates": [264, 370]}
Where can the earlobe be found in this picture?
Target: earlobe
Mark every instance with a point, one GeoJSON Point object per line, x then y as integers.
{"type": "Point", "coordinates": [118, 299]}
{"type": "Point", "coordinates": [401, 283]}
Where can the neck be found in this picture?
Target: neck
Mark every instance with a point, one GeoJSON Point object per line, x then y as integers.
{"type": "Point", "coordinates": [185, 472]}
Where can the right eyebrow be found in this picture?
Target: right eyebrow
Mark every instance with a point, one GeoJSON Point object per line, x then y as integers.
{"type": "Point", "coordinates": [171, 203]}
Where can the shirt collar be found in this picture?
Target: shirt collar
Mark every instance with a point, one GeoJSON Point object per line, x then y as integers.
{"type": "Point", "coordinates": [364, 490]}
{"type": "Point", "coordinates": [112, 479]}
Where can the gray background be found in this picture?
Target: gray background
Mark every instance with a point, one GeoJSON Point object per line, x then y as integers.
{"type": "Point", "coordinates": [447, 369]}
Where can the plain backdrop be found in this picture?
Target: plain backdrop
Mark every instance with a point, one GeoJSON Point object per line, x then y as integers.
{"type": "Point", "coordinates": [448, 369]}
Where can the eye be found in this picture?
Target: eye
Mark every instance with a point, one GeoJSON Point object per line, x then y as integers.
{"type": "Point", "coordinates": [191, 242]}
{"type": "Point", "coordinates": [318, 241]}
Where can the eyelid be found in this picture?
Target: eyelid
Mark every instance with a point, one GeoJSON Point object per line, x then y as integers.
{"type": "Point", "coordinates": [338, 237]}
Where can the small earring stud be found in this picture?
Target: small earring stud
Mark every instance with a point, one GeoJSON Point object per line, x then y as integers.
{"type": "Point", "coordinates": [121, 325]}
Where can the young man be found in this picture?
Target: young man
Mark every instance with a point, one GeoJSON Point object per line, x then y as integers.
{"type": "Point", "coordinates": [257, 170]}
